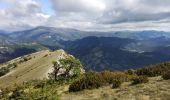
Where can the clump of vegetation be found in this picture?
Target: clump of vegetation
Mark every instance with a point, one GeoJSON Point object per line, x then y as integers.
{"type": "Point", "coordinates": [110, 77]}
{"type": "Point", "coordinates": [17, 93]}
{"type": "Point", "coordinates": [9, 66]}
{"type": "Point", "coordinates": [3, 71]}
{"type": "Point", "coordinates": [71, 65]}
{"type": "Point", "coordinates": [29, 91]}
{"type": "Point", "coordinates": [130, 72]}
{"type": "Point", "coordinates": [15, 65]}
{"type": "Point", "coordinates": [88, 81]}
{"type": "Point", "coordinates": [116, 84]}
{"type": "Point", "coordinates": [166, 76]}
{"type": "Point", "coordinates": [154, 70]}
{"type": "Point", "coordinates": [21, 61]}
{"type": "Point", "coordinates": [36, 90]}
{"type": "Point", "coordinates": [45, 55]}
{"type": "Point", "coordinates": [140, 79]}
{"type": "Point", "coordinates": [95, 80]}
{"type": "Point", "coordinates": [27, 58]}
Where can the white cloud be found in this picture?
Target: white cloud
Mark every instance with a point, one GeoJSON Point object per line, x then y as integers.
{"type": "Point", "coordinates": [78, 5]}
{"type": "Point", "coordinates": [21, 14]}
{"type": "Point", "coordinates": [89, 14]}
{"type": "Point", "coordinates": [112, 13]}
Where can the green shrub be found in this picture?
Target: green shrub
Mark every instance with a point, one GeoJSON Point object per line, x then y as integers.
{"type": "Point", "coordinates": [17, 93]}
{"type": "Point", "coordinates": [15, 65]}
{"type": "Point", "coordinates": [27, 58]}
{"type": "Point", "coordinates": [130, 72]}
{"type": "Point", "coordinates": [3, 71]}
{"type": "Point", "coordinates": [45, 55]}
{"type": "Point", "coordinates": [110, 77]}
{"type": "Point", "coordinates": [9, 66]}
{"type": "Point", "coordinates": [40, 84]}
{"type": "Point", "coordinates": [34, 90]}
{"type": "Point", "coordinates": [166, 76]}
{"type": "Point", "coordinates": [94, 80]}
{"type": "Point", "coordinates": [88, 81]}
{"type": "Point", "coordinates": [154, 70]}
{"type": "Point", "coordinates": [140, 79]}
{"type": "Point", "coordinates": [21, 61]}
{"type": "Point", "coordinates": [116, 83]}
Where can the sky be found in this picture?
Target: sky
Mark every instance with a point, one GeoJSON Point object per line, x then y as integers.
{"type": "Point", "coordinates": [88, 15]}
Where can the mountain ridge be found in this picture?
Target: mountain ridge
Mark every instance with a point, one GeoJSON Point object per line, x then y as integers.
{"type": "Point", "coordinates": [36, 66]}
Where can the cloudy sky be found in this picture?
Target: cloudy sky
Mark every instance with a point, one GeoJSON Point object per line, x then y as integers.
{"type": "Point", "coordinates": [100, 15]}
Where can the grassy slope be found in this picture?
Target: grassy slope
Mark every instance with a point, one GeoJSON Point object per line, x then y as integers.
{"type": "Point", "coordinates": [156, 89]}
{"type": "Point", "coordinates": [36, 68]}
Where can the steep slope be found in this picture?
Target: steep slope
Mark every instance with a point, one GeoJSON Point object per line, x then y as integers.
{"type": "Point", "coordinates": [37, 66]}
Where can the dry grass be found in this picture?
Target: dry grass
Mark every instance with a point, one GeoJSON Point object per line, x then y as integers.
{"type": "Point", "coordinates": [156, 89]}
{"type": "Point", "coordinates": [36, 68]}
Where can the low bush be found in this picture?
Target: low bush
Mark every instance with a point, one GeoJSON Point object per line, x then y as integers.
{"type": "Point", "coordinates": [28, 92]}
{"type": "Point", "coordinates": [17, 93]}
{"type": "Point", "coordinates": [27, 58]}
{"type": "Point", "coordinates": [3, 71]}
{"type": "Point", "coordinates": [116, 84]}
{"type": "Point", "coordinates": [45, 55]}
{"type": "Point", "coordinates": [154, 70]}
{"type": "Point", "coordinates": [94, 80]}
{"type": "Point", "coordinates": [110, 77]}
{"type": "Point", "coordinates": [15, 65]}
{"type": "Point", "coordinates": [130, 72]}
{"type": "Point", "coordinates": [21, 61]}
{"type": "Point", "coordinates": [140, 79]}
{"type": "Point", "coordinates": [88, 81]}
{"type": "Point", "coordinates": [166, 76]}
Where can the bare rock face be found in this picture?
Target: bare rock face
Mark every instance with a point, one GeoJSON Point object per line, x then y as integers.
{"type": "Point", "coordinates": [30, 67]}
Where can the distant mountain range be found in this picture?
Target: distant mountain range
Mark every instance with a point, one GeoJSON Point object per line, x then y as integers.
{"type": "Point", "coordinates": [101, 53]}
{"type": "Point", "coordinates": [97, 50]}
